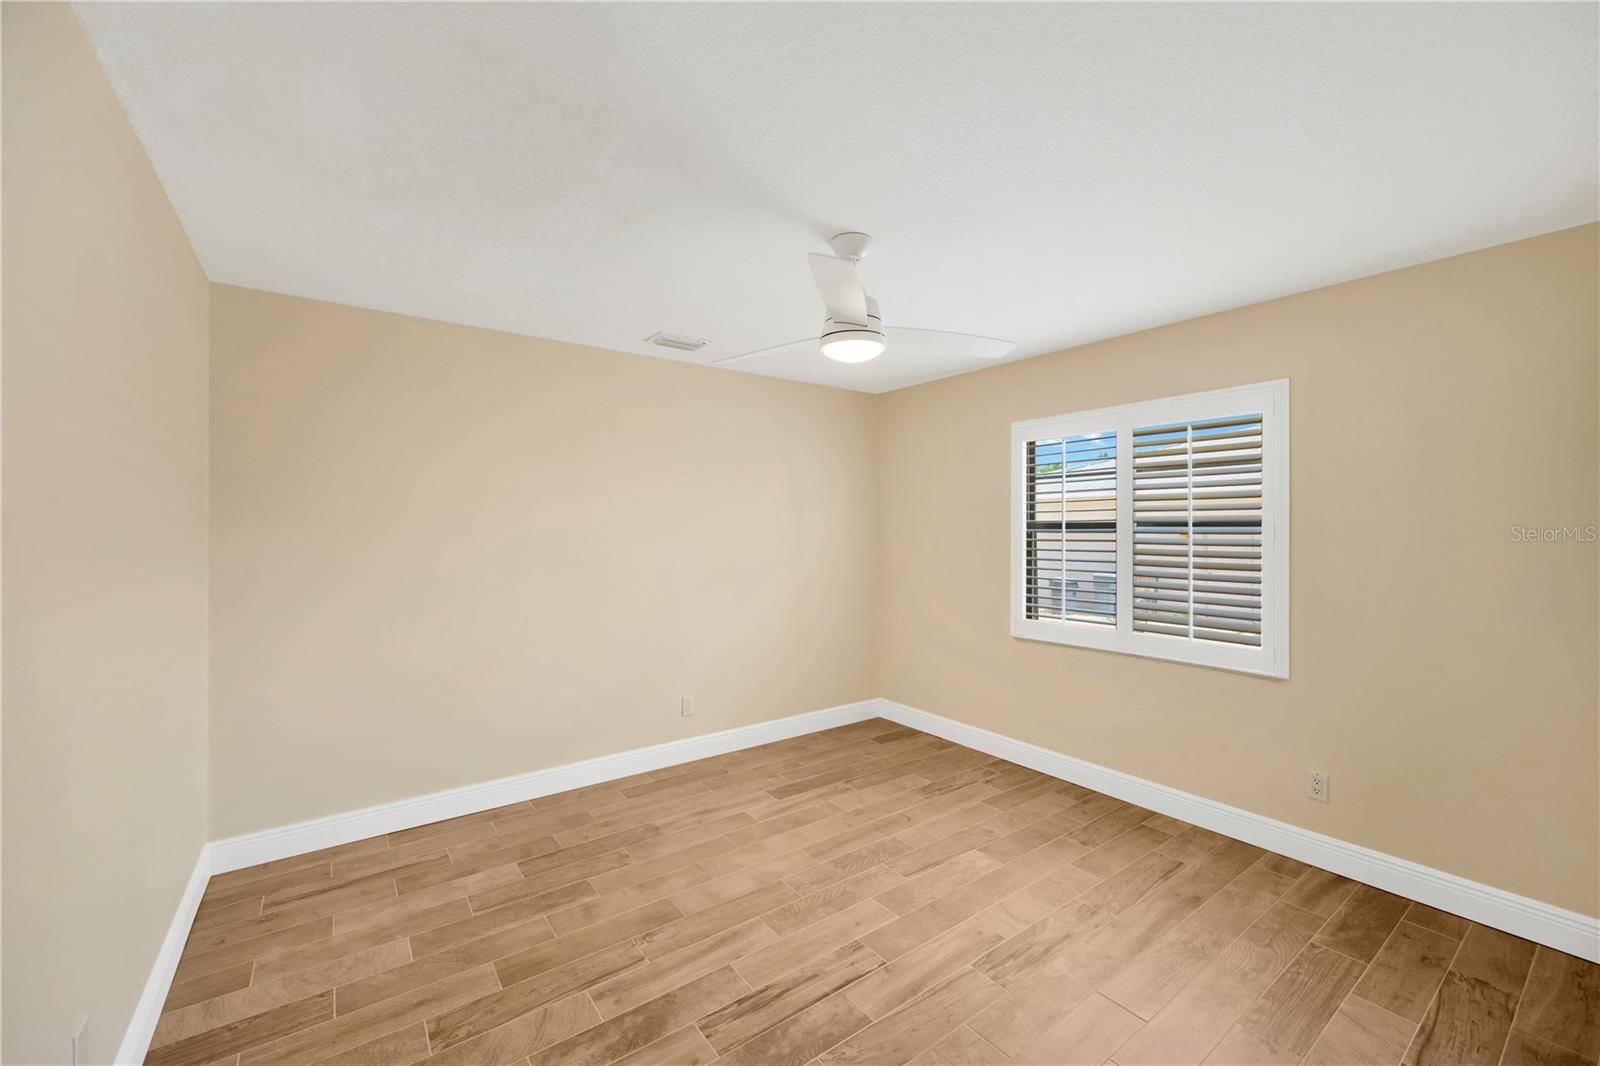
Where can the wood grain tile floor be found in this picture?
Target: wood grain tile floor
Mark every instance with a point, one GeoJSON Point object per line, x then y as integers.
{"type": "Point", "coordinates": [869, 894]}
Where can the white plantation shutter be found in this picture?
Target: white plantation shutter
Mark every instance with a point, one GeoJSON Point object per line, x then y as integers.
{"type": "Point", "coordinates": [1072, 529]}
{"type": "Point", "coordinates": [1197, 530]}
{"type": "Point", "coordinates": [1158, 529]}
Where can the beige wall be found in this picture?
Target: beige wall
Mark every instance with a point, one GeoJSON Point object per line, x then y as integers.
{"type": "Point", "coordinates": [1442, 673]}
{"type": "Point", "coordinates": [442, 555]}
{"type": "Point", "coordinates": [104, 442]}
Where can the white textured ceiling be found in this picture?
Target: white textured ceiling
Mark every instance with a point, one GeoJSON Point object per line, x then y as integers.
{"type": "Point", "coordinates": [1049, 174]}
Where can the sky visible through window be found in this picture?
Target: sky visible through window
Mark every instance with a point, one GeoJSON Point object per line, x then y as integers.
{"type": "Point", "coordinates": [1079, 452]}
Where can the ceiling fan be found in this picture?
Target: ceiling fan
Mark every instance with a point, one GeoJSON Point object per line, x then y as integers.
{"type": "Point", "coordinates": [853, 331]}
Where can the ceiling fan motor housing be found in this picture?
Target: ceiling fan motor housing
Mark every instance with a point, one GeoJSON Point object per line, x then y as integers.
{"type": "Point", "coordinates": [854, 342]}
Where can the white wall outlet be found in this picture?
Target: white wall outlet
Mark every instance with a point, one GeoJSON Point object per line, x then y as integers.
{"type": "Point", "coordinates": [1317, 786]}
{"type": "Point", "coordinates": [80, 1053]}
{"type": "Point", "coordinates": [686, 706]}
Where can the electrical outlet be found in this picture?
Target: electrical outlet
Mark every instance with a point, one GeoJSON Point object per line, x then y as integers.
{"type": "Point", "coordinates": [1317, 786]}
{"type": "Point", "coordinates": [79, 1052]}
{"type": "Point", "coordinates": [686, 707]}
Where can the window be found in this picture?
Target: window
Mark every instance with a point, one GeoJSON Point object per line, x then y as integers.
{"type": "Point", "coordinates": [1158, 529]}
{"type": "Point", "coordinates": [1072, 529]}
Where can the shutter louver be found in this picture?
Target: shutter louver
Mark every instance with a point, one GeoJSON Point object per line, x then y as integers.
{"type": "Point", "coordinates": [1197, 530]}
{"type": "Point", "coordinates": [1072, 529]}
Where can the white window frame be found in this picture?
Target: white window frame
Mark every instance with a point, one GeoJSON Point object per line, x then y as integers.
{"type": "Point", "coordinates": [1271, 398]}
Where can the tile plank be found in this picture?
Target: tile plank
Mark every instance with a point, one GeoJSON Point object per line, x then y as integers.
{"type": "Point", "coordinates": [923, 967]}
{"type": "Point", "coordinates": [1497, 958]}
{"type": "Point", "coordinates": [1362, 923]}
{"type": "Point", "coordinates": [1244, 899]}
{"type": "Point", "coordinates": [1525, 1049]}
{"type": "Point", "coordinates": [761, 1009]}
{"type": "Point", "coordinates": [631, 1030]}
{"type": "Point", "coordinates": [447, 962]}
{"type": "Point", "coordinates": [962, 1048]}
{"type": "Point", "coordinates": [1023, 1015]}
{"type": "Point", "coordinates": [265, 995]}
{"type": "Point", "coordinates": [236, 1036]}
{"type": "Point", "coordinates": [1291, 1013]}
{"type": "Point", "coordinates": [1561, 1003]}
{"type": "Point", "coordinates": [1361, 1032]}
{"type": "Point", "coordinates": [350, 1030]}
{"type": "Point", "coordinates": [514, 1000]}
{"type": "Point", "coordinates": [207, 986]}
{"type": "Point", "coordinates": [914, 1028]}
{"type": "Point", "coordinates": [659, 976]}
{"type": "Point", "coordinates": [682, 1047]}
{"type": "Point", "coordinates": [676, 935]}
{"type": "Point", "coordinates": [1200, 1015]}
{"type": "Point", "coordinates": [497, 919]}
{"type": "Point", "coordinates": [399, 1048]}
{"type": "Point", "coordinates": [1089, 1033]}
{"type": "Point", "coordinates": [1407, 971]}
{"type": "Point", "coordinates": [524, 1035]}
{"type": "Point", "coordinates": [536, 960]}
{"type": "Point", "coordinates": [802, 1038]}
{"type": "Point", "coordinates": [1438, 921]}
{"type": "Point", "coordinates": [1320, 892]}
{"type": "Point", "coordinates": [1160, 973]}
{"type": "Point", "coordinates": [1466, 1025]}
{"type": "Point", "coordinates": [342, 945]}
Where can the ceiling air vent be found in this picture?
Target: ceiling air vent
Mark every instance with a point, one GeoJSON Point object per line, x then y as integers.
{"type": "Point", "coordinates": [678, 341]}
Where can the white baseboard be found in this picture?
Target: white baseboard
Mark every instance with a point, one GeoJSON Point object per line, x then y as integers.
{"type": "Point", "coordinates": [142, 1026]}
{"type": "Point", "coordinates": [251, 848]}
{"type": "Point", "coordinates": [1577, 934]}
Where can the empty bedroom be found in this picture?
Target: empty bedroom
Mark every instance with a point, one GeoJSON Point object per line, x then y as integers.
{"type": "Point", "coordinates": [799, 534]}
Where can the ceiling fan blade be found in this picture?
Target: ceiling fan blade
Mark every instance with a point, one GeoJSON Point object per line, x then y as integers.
{"type": "Point", "coordinates": [839, 288]}
{"type": "Point", "coordinates": [906, 341]}
{"type": "Point", "coordinates": [809, 344]}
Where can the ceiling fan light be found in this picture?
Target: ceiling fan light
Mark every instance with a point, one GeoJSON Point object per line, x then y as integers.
{"type": "Point", "coordinates": [853, 346]}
